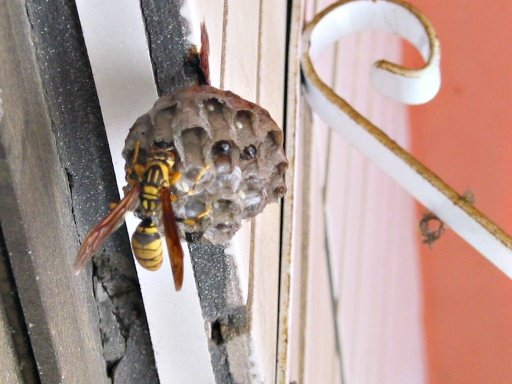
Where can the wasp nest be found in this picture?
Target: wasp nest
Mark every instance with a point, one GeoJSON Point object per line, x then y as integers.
{"type": "Point", "coordinates": [229, 153]}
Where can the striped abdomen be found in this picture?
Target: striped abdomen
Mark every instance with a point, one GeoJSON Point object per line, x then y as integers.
{"type": "Point", "coordinates": [147, 245]}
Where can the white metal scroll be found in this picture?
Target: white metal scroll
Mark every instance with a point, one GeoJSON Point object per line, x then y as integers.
{"type": "Point", "coordinates": [410, 86]}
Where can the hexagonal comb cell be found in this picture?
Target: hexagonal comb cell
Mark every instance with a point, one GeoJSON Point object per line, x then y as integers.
{"type": "Point", "coordinates": [228, 150]}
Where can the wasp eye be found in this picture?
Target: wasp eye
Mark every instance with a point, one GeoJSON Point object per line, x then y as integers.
{"type": "Point", "coordinates": [248, 153]}
{"type": "Point", "coordinates": [162, 144]}
{"type": "Point", "coordinates": [222, 148]}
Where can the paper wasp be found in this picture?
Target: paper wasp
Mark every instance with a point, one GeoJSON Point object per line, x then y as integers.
{"type": "Point", "coordinates": [148, 192]}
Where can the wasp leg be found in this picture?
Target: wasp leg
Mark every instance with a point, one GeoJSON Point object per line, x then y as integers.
{"type": "Point", "coordinates": [192, 221]}
{"type": "Point", "coordinates": [175, 177]}
{"type": "Point", "coordinates": [136, 149]}
{"type": "Point", "coordinates": [199, 176]}
{"type": "Point", "coordinates": [136, 170]}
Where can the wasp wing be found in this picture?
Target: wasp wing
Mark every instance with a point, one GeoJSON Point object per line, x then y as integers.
{"type": "Point", "coordinates": [172, 238]}
{"type": "Point", "coordinates": [97, 236]}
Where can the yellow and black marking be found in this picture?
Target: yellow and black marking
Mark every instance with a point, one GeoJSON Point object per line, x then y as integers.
{"type": "Point", "coordinates": [136, 168]}
{"type": "Point", "coordinates": [155, 177]}
{"type": "Point", "coordinates": [147, 245]}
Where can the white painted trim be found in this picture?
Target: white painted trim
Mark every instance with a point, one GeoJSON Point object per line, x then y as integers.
{"type": "Point", "coordinates": [115, 38]}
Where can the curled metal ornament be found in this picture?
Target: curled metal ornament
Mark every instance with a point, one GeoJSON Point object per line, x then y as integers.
{"type": "Point", "coordinates": [229, 154]}
{"type": "Point", "coordinates": [411, 86]}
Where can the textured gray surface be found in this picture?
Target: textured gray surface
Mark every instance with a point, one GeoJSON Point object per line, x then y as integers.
{"type": "Point", "coordinates": [12, 331]}
{"type": "Point", "coordinates": [166, 30]}
{"type": "Point", "coordinates": [35, 213]}
{"type": "Point", "coordinates": [9, 367]}
{"type": "Point", "coordinates": [17, 360]}
{"type": "Point", "coordinates": [223, 311]}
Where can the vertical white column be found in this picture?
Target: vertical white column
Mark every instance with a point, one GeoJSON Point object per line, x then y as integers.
{"type": "Point", "coordinates": [116, 42]}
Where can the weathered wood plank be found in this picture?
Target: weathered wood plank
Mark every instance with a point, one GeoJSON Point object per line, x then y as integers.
{"type": "Point", "coordinates": [11, 358]}
{"type": "Point", "coordinates": [9, 368]}
{"type": "Point", "coordinates": [17, 360]}
{"type": "Point", "coordinates": [35, 212]}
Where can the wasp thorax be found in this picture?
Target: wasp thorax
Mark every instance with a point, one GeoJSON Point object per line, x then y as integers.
{"type": "Point", "coordinates": [229, 154]}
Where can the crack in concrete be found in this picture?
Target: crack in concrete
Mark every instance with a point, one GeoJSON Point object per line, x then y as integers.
{"type": "Point", "coordinates": [71, 186]}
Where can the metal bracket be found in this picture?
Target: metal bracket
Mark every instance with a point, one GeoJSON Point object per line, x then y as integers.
{"type": "Point", "coordinates": [410, 86]}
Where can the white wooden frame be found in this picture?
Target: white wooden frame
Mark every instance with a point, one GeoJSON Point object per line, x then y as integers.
{"type": "Point", "coordinates": [247, 42]}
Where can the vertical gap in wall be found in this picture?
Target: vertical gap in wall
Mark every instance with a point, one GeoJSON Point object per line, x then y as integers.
{"type": "Point", "coordinates": [286, 304]}
{"type": "Point", "coordinates": [223, 49]}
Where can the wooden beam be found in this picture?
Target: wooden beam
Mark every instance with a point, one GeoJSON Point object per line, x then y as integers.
{"type": "Point", "coordinates": [35, 212]}
{"type": "Point", "coordinates": [57, 181]}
